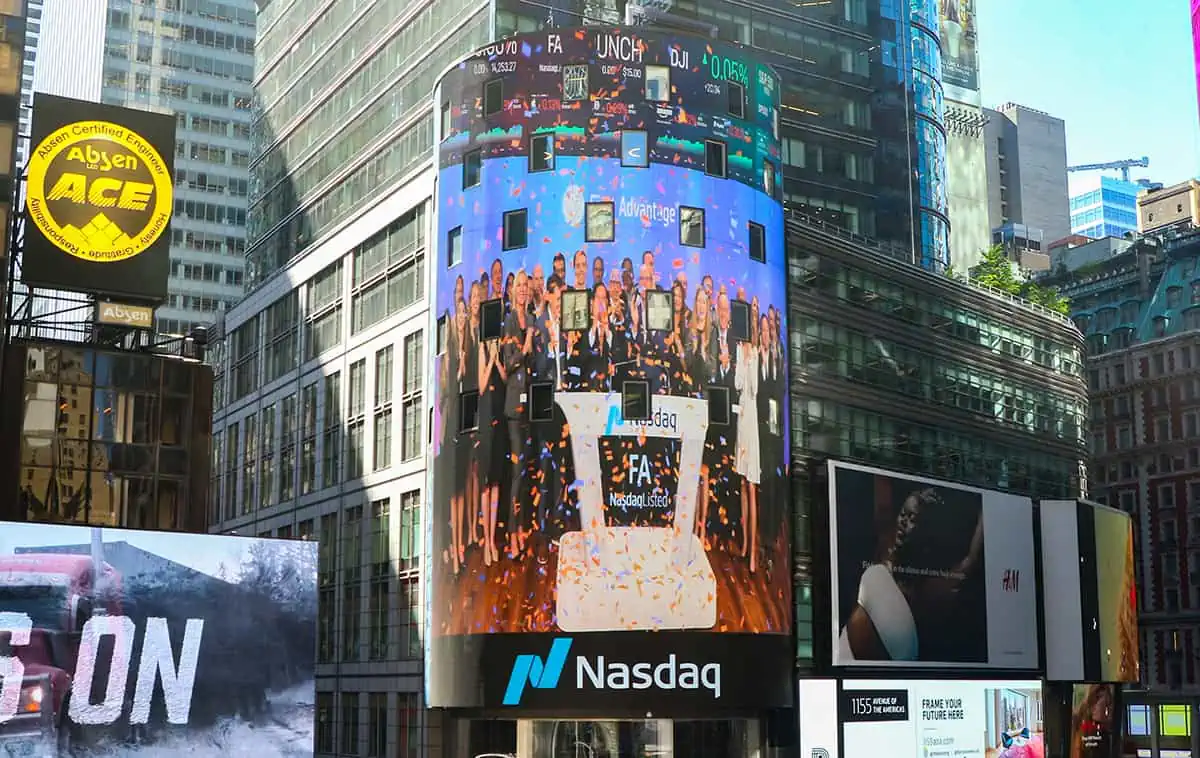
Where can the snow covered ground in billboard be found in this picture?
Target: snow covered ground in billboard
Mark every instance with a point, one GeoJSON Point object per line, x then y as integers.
{"type": "Point", "coordinates": [284, 731]}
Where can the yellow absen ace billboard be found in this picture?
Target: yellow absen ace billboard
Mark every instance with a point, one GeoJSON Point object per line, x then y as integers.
{"type": "Point", "coordinates": [99, 193]}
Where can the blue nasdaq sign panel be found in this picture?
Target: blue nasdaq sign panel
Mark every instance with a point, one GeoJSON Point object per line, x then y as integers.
{"type": "Point", "coordinates": [610, 461]}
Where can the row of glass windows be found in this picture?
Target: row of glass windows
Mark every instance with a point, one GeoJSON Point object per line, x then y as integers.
{"type": "Point", "coordinates": [948, 319]}
{"type": "Point", "coordinates": [294, 14]}
{"type": "Point", "coordinates": [836, 429]}
{"type": "Point", "coordinates": [1117, 216]}
{"type": "Point", "coordinates": [348, 196]}
{"type": "Point", "coordinates": [825, 159]}
{"type": "Point", "coordinates": [210, 9]}
{"type": "Point", "coordinates": [294, 446]}
{"type": "Point", "coordinates": [393, 81]}
{"type": "Point", "coordinates": [339, 732]}
{"type": "Point", "coordinates": [388, 275]}
{"type": "Point", "coordinates": [1110, 197]}
{"type": "Point", "coordinates": [214, 154]}
{"type": "Point", "coordinates": [209, 243]}
{"type": "Point", "coordinates": [383, 164]}
{"type": "Point", "coordinates": [325, 51]}
{"type": "Point", "coordinates": [823, 348]}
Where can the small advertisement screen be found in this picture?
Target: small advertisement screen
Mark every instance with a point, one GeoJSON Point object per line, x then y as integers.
{"type": "Point", "coordinates": [1092, 625]}
{"type": "Point", "coordinates": [99, 195]}
{"type": "Point", "coordinates": [942, 719]}
{"type": "Point", "coordinates": [118, 643]}
{"type": "Point", "coordinates": [960, 50]}
{"type": "Point", "coordinates": [1093, 721]}
{"type": "Point", "coordinates": [929, 573]}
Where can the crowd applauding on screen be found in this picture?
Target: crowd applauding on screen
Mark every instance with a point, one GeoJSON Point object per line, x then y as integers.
{"type": "Point", "coordinates": [510, 340]}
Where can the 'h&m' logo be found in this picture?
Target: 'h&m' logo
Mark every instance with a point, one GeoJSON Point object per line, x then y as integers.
{"type": "Point", "coordinates": [539, 674]}
{"type": "Point", "coordinates": [1012, 580]}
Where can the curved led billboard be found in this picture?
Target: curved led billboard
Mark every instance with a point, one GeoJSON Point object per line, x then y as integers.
{"type": "Point", "coordinates": [610, 458]}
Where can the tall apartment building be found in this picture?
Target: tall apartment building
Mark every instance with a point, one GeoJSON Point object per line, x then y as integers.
{"type": "Point", "coordinates": [1027, 170]}
{"type": "Point", "coordinates": [1104, 206]}
{"type": "Point", "coordinates": [192, 58]}
{"type": "Point", "coordinates": [1140, 312]}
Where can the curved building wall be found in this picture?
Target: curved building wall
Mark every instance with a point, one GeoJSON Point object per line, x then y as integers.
{"type": "Point", "coordinates": [933, 205]}
{"type": "Point", "coordinates": [609, 480]}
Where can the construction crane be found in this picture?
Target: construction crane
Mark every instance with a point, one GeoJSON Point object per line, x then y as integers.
{"type": "Point", "coordinates": [1122, 166]}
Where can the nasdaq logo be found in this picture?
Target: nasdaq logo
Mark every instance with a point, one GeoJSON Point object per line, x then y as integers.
{"type": "Point", "coordinates": [536, 672]}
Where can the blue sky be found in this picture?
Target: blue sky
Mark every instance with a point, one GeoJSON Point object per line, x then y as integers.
{"type": "Point", "coordinates": [1080, 59]}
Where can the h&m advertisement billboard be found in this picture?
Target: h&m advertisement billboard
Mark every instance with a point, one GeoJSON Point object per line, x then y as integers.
{"type": "Point", "coordinates": [98, 199]}
{"type": "Point", "coordinates": [125, 643]}
{"type": "Point", "coordinates": [610, 494]}
{"type": "Point", "coordinates": [908, 554]}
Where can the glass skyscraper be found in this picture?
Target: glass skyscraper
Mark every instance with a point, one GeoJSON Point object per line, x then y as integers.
{"type": "Point", "coordinates": [1105, 207]}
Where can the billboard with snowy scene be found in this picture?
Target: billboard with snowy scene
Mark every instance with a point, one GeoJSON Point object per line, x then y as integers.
{"type": "Point", "coordinates": [124, 643]}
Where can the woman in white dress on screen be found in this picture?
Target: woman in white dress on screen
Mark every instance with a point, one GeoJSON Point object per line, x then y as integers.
{"type": "Point", "coordinates": [890, 607]}
{"type": "Point", "coordinates": [746, 459]}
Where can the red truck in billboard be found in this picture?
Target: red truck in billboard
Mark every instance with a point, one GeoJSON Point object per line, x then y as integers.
{"type": "Point", "coordinates": [59, 593]}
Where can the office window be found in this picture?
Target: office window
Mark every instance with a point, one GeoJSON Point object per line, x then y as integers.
{"type": "Point", "coordinates": [516, 229]}
{"type": "Point", "coordinates": [377, 725]}
{"type": "Point", "coordinates": [658, 84]}
{"type": "Point", "coordinates": [382, 419]}
{"type": "Point", "coordinates": [325, 724]}
{"type": "Point", "coordinates": [331, 452]}
{"type": "Point", "coordinates": [327, 587]}
{"type": "Point", "coordinates": [352, 558]}
{"type": "Point", "coordinates": [737, 99]}
{"type": "Point", "coordinates": [266, 460]}
{"type": "Point", "coordinates": [409, 597]}
{"type": "Point", "coordinates": [472, 167]}
{"type": "Point", "coordinates": [355, 428]}
{"type": "Point", "coordinates": [541, 153]}
{"type": "Point", "coordinates": [249, 453]}
{"type": "Point", "coordinates": [600, 226]}
{"type": "Point", "coordinates": [350, 723]}
{"type": "Point", "coordinates": [379, 607]}
{"type": "Point", "coordinates": [414, 367]}
{"type": "Point", "coordinates": [445, 119]}
{"type": "Point", "coordinates": [288, 425]}
{"type": "Point", "coordinates": [454, 247]}
{"type": "Point", "coordinates": [758, 242]}
{"type": "Point", "coordinates": [232, 440]}
{"type": "Point", "coordinates": [691, 226]}
{"type": "Point", "coordinates": [410, 530]}
{"type": "Point", "coordinates": [493, 98]}
{"type": "Point", "coordinates": [308, 439]}
{"type": "Point", "coordinates": [769, 178]}
{"type": "Point", "coordinates": [408, 725]}
{"type": "Point", "coordinates": [714, 158]}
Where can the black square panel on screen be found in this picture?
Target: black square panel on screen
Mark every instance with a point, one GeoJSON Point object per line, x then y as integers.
{"type": "Point", "coordinates": [739, 321]}
{"type": "Point", "coordinates": [491, 319]}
